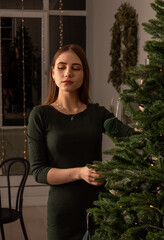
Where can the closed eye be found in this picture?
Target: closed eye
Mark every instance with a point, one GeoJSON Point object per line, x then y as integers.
{"type": "Point", "coordinates": [76, 68]}
{"type": "Point", "coordinates": [61, 67]}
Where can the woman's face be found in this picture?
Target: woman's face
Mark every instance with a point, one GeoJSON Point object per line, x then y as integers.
{"type": "Point", "coordinates": [68, 72]}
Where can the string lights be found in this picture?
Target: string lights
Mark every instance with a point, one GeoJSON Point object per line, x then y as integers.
{"type": "Point", "coordinates": [61, 24]}
{"type": "Point", "coordinates": [2, 145]}
{"type": "Point", "coordinates": [24, 85]}
{"type": "Point", "coordinates": [43, 37]}
{"type": "Point", "coordinates": [151, 206]}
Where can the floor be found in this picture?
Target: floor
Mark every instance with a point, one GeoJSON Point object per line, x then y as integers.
{"type": "Point", "coordinates": [35, 222]}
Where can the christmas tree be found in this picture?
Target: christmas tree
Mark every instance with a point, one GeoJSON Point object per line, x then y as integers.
{"type": "Point", "coordinates": [132, 208]}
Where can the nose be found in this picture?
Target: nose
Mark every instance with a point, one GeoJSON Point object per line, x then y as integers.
{"type": "Point", "coordinates": [68, 72]}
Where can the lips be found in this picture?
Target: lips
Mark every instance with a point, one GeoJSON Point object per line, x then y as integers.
{"type": "Point", "coordinates": [67, 82]}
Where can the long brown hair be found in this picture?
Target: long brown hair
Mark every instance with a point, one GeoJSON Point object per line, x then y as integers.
{"type": "Point", "coordinates": [84, 89]}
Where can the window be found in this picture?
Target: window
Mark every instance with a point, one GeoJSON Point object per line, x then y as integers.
{"type": "Point", "coordinates": [24, 84]}
{"type": "Point", "coordinates": [17, 4]}
{"type": "Point", "coordinates": [73, 31]}
{"type": "Point", "coordinates": [68, 5]}
{"type": "Point", "coordinates": [20, 79]}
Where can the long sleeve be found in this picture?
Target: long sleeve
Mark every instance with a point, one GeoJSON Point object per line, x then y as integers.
{"type": "Point", "coordinates": [37, 146]}
{"type": "Point", "coordinates": [115, 127]}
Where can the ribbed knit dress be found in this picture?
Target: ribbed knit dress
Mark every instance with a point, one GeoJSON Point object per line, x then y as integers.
{"type": "Point", "coordinates": [62, 141]}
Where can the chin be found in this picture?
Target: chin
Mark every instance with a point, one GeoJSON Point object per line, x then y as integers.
{"type": "Point", "coordinates": [70, 89]}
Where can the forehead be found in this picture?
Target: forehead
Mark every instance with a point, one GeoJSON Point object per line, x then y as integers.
{"type": "Point", "coordinates": [68, 57]}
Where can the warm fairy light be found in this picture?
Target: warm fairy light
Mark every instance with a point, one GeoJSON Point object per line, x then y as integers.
{"type": "Point", "coordinates": [2, 142]}
{"type": "Point", "coordinates": [24, 85]}
{"type": "Point", "coordinates": [2, 147]}
{"type": "Point", "coordinates": [151, 206]}
{"type": "Point", "coordinates": [61, 24]}
{"type": "Point", "coordinates": [43, 38]}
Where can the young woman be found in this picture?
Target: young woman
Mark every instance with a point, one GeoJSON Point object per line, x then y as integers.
{"type": "Point", "coordinates": [64, 135]}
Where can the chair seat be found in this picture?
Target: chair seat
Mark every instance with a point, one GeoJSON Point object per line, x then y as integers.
{"type": "Point", "coordinates": [8, 215]}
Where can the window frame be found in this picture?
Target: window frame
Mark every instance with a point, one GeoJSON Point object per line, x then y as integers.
{"type": "Point", "coordinates": [44, 56]}
{"type": "Point", "coordinates": [44, 15]}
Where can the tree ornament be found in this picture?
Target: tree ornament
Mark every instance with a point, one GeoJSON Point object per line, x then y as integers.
{"type": "Point", "coordinates": [124, 44]}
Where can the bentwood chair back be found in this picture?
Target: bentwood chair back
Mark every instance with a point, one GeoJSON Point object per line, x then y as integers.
{"type": "Point", "coordinates": [13, 210]}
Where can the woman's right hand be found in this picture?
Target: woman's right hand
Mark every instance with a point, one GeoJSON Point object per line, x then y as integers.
{"type": "Point", "coordinates": [89, 175]}
{"type": "Point", "coordinates": [56, 176]}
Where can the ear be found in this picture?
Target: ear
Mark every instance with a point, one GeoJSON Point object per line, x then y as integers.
{"type": "Point", "coordinates": [53, 73]}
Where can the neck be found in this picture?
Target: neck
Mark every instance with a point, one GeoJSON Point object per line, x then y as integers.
{"type": "Point", "coordinates": [69, 103]}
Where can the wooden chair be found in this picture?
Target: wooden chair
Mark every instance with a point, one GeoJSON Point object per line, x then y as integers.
{"type": "Point", "coordinates": [13, 211]}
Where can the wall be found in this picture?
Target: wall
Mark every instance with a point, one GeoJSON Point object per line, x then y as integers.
{"type": "Point", "coordinates": [100, 21]}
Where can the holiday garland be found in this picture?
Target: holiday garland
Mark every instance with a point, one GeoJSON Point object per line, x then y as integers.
{"type": "Point", "coordinates": [124, 44]}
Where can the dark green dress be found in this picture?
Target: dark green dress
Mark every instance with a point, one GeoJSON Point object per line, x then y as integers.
{"type": "Point", "coordinates": [58, 140]}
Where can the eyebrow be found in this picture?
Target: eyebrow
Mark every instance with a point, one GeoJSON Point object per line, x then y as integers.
{"type": "Point", "coordinates": [72, 63]}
